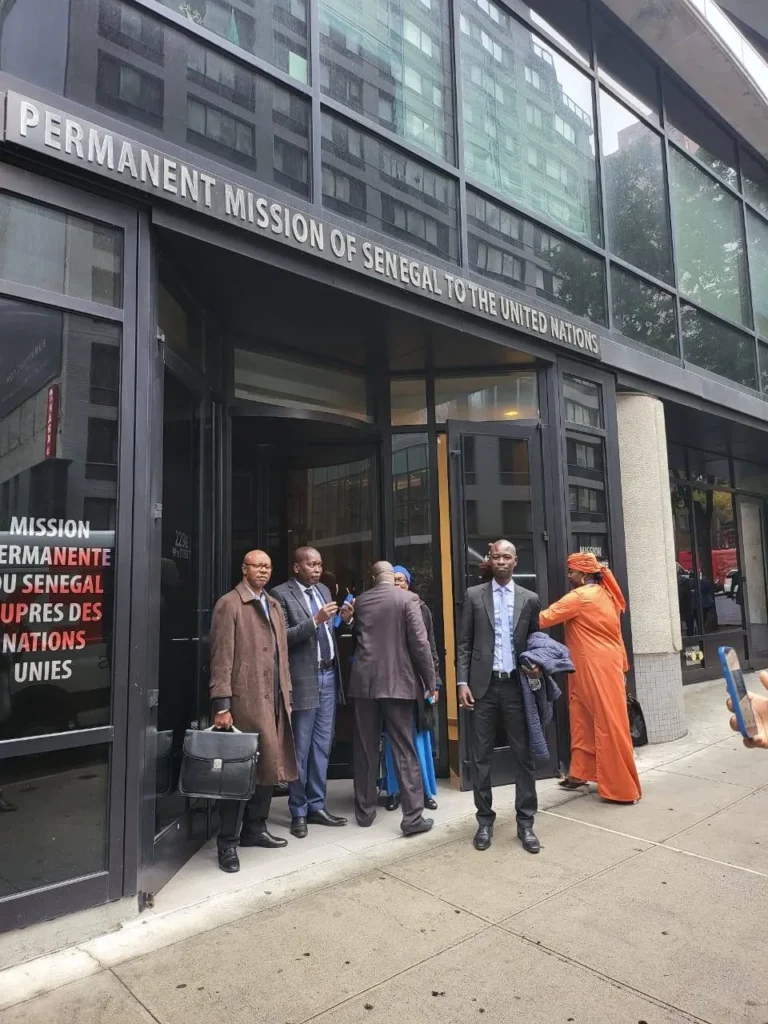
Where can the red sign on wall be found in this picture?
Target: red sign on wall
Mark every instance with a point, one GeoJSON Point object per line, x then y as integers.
{"type": "Point", "coordinates": [51, 421]}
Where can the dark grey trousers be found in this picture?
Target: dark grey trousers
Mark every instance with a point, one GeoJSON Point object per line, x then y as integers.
{"type": "Point", "coordinates": [398, 718]}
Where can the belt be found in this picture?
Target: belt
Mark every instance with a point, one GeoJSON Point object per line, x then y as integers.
{"type": "Point", "coordinates": [325, 665]}
{"type": "Point", "coordinates": [504, 675]}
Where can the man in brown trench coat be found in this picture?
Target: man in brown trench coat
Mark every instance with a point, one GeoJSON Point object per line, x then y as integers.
{"type": "Point", "coordinates": [251, 689]}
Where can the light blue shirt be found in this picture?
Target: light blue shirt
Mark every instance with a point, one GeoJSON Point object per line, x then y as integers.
{"type": "Point", "coordinates": [503, 627]}
{"type": "Point", "coordinates": [262, 598]}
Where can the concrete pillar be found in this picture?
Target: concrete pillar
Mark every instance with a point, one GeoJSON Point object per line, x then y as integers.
{"type": "Point", "coordinates": [651, 570]}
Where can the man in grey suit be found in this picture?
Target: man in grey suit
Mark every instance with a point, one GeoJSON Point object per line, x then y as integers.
{"type": "Point", "coordinates": [315, 683]}
{"type": "Point", "coordinates": [496, 621]}
{"type": "Point", "coordinates": [393, 668]}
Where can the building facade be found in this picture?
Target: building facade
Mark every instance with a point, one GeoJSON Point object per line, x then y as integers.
{"type": "Point", "coordinates": [393, 278]}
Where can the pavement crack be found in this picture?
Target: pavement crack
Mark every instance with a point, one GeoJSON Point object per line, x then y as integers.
{"type": "Point", "coordinates": [133, 996]}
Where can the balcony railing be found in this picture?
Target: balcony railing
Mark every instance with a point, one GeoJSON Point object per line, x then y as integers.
{"type": "Point", "coordinates": [754, 65]}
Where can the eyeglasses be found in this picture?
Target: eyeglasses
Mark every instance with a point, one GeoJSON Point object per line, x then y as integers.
{"type": "Point", "coordinates": [257, 565]}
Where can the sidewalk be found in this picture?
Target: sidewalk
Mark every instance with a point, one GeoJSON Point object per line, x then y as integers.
{"type": "Point", "coordinates": [635, 914]}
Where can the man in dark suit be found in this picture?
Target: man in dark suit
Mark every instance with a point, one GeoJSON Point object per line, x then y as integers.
{"type": "Point", "coordinates": [393, 668]}
{"type": "Point", "coordinates": [496, 621]}
{"type": "Point", "coordinates": [316, 685]}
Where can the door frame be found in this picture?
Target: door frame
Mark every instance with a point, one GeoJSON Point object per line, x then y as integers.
{"type": "Point", "coordinates": [534, 433]}
{"type": "Point", "coordinates": [740, 501]}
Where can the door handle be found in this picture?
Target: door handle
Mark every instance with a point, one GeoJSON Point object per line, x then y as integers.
{"type": "Point", "coordinates": [153, 698]}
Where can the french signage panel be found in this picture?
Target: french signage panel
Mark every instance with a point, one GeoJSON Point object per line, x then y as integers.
{"type": "Point", "coordinates": [84, 144]}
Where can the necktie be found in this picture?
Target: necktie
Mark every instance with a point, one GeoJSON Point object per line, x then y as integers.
{"type": "Point", "coordinates": [323, 643]}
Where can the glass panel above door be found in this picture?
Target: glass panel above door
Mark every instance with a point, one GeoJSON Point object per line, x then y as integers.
{"type": "Point", "coordinates": [511, 397]}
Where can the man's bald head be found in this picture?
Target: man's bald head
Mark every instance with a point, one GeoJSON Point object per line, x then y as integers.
{"type": "Point", "coordinates": [383, 572]}
{"type": "Point", "coordinates": [257, 569]}
{"type": "Point", "coordinates": [503, 558]}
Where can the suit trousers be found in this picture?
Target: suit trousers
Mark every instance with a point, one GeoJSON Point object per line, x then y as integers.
{"type": "Point", "coordinates": [503, 697]}
{"type": "Point", "coordinates": [398, 716]}
{"type": "Point", "coordinates": [313, 738]}
{"type": "Point", "coordinates": [244, 817]}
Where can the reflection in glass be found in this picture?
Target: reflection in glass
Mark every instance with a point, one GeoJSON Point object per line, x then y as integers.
{"type": "Point", "coordinates": [625, 68]}
{"type": "Point", "coordinates": [754, 179]}
{"type": "Point", "coordinates": [497, 502]}
{"type": "Point", "coordinates": [708, 468]}
{"type": "Point", "coordinates": [408, 402]}
{"type": "Point", "coordinates": [586, 491]}
{"type": "Point", "coordinates": [763, 354]}
{"type": "Point", "coordinates": [751, 476]}
{"type": "Point", "coordinates": [276, 32]}
{"type": "Point", "coordinates": [392, 63]}
{"type": "Point", "coordinates": [528, 119]}
{"type": "Point", "coordinates": [516, 251]}
{"type": "Point", "coordinates": [371, 182]}
{"type": "Point", "coordinates": [696, 133]}
{"type": "Point", "coordinates": [715, 346]}
{"type": "Point", "coordinates": [47, 248]}
{"type": "Point", "coordinates": [566, 23]}
{"type": "Point", "coordinates": [687, 589]}
{"type": "Point", "coordinates": [582, 402]}
{"type": "Point", "coordinates": [753, 544]}
{"type": "Point", "coordinates": [293, 385]}
{"type": "Point", "coordinates": [717, 558]}
{"type": "Point", "coordinates": [59, 829]}
{"type": "Point", "coordinates": [757, 238]}
{"type": "Point", "coordinates": [511, 397]}
{"type": "Point", "coordinates": [635, 192]}
{"type": "Point", "coordinates": [411, 496]}
{"type": "Point", "coordinates": [709, 241]}
{"type": "Point", "coordinates": [58, 452]}
{"type": "Point", "coordinates": [644, 312]}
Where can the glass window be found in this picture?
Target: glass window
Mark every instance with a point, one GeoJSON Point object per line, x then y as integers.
{"type": "Point", "coordinates": [708, 468]}
{"type": "Point", "coordinates": [391, 61]}
{"type": "Point", "coordinates": [408, 402]}
{"type": "Point", "coordinates": [60, 823]}
{"type": "Point", "coordinates": [751, 476]}
{"type": "Point", "coordinates": [387, 190]}
{"type": "Point", "coordinates": [511, 397]}
{"type": "Point", "coordinates": [105, 374]}
{"type": "Point", "coordinates": [544, 169]}
{"type": "Point", "coordinates": [687, 589]}
{"type": "Point", "coordinates": [516, 251]}
{"type": "Point", "coordinates": [635, 190]}
{"type": "Point", "coordinates": [47, 248]}
{"type": "Point", "coordinates": [412, 499]}
{"type": "Point", "coordinates": [276, 32]}
{"type": "Point", "coordinates": [582, 402]}
{"type": "Point", "coordinates": [763, 352]}
{"type": "Point", "coordinates": [757, 238]}
{"type": "Point", "coordinates": [293, 385]}
{"type": "Point", "coordinates": [754, 179]}
{"type": "Point", "coordinates": [216, 106]}
{"type": "Point", "coordinates": [643, 312]}
{"type": "Point", "coordinates": [717, 557]}
{"type": "Point", "coordinates": [709, 241]}
{"type": "Point", "coordinates": [57, 450]}
{"type": "Point", "coordinates": [698, 134]}
{"type": "Point", "coordinates": [566, 23]}
{"type": "Point", "coordinates": [715, 346]}
{"type": "Point", "coordinates": [625, 68]}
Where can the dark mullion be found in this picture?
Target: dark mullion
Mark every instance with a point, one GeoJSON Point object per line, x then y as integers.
{"type": "Point", "coordinates": [317, 117]}
{"type": "Point", "coordinates": [602, 201]}
{"type": "Point", "coordinates": [458, 109]}
{"type": "Point", "coordinates": [672, 239]}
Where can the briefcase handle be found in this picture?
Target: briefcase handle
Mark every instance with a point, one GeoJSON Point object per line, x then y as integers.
{"type": "Point", "coordinates": [232, 728]}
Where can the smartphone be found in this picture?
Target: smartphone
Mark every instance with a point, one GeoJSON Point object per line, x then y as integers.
{"type": "Point", "coordinates": [737, 691]}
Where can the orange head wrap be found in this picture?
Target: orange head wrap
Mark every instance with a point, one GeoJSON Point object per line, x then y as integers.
{"type": "Point", "coordinates": [589, 565]}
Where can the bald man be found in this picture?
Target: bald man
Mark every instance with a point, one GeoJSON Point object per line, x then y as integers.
{"type": "Point", "coordinates": [250, 688]}
{"type": "Point", "coordinates": [392, 670]}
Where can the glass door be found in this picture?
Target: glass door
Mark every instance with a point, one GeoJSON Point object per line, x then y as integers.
{"type": "Point", "coordinates": [180, 700]}
{"type": "Point", "coordinates": [746, 586]}
{"type": "Point", "coordinates": [497, 491]}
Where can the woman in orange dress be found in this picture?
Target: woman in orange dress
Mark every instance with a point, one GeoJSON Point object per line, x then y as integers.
{"type": "Point", "coordinates": [601, 745]}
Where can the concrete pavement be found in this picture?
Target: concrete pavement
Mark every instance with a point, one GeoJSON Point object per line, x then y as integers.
{"type": "Point", "coordinates": [653, 913]}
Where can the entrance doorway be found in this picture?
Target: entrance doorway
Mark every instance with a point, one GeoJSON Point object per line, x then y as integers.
{"type": "Point", "coordinates": [747, 586]}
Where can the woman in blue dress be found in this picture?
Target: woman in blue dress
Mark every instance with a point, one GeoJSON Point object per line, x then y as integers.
{"type": "Point", "coordinates": [422, 738]}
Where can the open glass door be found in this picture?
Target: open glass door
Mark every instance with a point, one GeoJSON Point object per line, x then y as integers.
{"type": "Point", "coordinates": [747, 586]}
{"type": "Point", "coordinates": [497, 491]}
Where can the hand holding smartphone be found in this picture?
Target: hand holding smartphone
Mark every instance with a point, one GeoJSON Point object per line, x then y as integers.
{"type": "Point", "coordinates": [737, 691]}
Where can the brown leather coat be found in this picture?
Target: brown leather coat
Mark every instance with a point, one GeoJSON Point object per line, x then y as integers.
{"type": "Point", "coordinates": [243, 645]}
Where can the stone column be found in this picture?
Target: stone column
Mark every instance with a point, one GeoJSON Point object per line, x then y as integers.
{"type": "Point", "coordinates": [651, 565]}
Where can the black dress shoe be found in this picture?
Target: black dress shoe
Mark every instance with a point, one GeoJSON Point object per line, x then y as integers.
{"type": "Point", "coordinates": [228, 859]}
{"type": "Point", "coordinates": [421, 826]}
{"type": "Point", "coordinates": [269, 842]}
{"type": "Point", "coordinates": [393, 802]}
{"type": "Point", "coordinates": [483, 837]}
{"type": "Point", "coordinates": [430, 803]}
{"type": "Point", "coordinates": [528, 838]}
{"type": "Point", "coordinates": [299, 827]}
{"type": "Point", "coordinates": [324, 817]}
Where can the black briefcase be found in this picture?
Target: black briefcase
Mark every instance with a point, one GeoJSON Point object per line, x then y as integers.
{"type": "Point", "coordinates": [219, 764]}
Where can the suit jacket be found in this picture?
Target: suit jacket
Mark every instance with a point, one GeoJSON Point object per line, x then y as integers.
{"type": "Point", "coordinates": [302, 643]}
{"type": "Point", "coordinates": [474, 662]}
{"type": "Point", "coordinates": [245, 647]}
{"type": "Point", "coordinates": [392, 654]}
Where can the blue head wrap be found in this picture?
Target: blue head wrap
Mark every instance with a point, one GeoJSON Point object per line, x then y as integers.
{"type": "Point", "coordinates": [404, 571]}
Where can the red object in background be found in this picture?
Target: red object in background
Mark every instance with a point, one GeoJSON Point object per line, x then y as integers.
{"type": "Point", "coordinates": [723, 561]}
{"type": "Point", "coordinates": [51, 421]}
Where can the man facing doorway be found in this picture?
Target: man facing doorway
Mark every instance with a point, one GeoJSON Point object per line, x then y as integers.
{"type": "Point", "coordinates": [316, 685]}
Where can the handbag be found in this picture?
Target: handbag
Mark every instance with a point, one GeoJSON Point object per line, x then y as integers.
{"type": "Point", "coordinates": [637, 729]}
{"type": "Point", "coordinates": [219, 764]}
